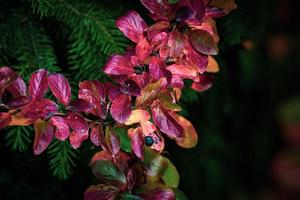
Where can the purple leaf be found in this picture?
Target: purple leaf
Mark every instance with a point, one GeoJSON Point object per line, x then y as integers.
{"type": "Point", "coordinates": [130, 87]}
{"type": "Point", "coordinates": [43, 136]}
{"type": "Point", "coordinates": [18, 87]}
{"type": "Point", "coordinates": [38, 84]}
{"type": "Point", "coordinates": [7, 76]}
{"type": "Point", "coordinates": [60, 88]}
{"type": "Point", "coordinates": [112, 90]}
{"type": "Point", "coordinates": [18, 101]}
{"type": "Point", "coordinates": [121, 108]}
{"type": "Point", "coordinates": [165, 122]}
{"type": "Point", "coordinates": [62, 129]}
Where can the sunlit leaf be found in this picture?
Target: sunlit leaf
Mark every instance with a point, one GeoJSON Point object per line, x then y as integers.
{"type": "Point", "coordinates": [149, 93]}
{"type": "Point", "coordinates": [132, 26]}
{"type": "Point", "coordinates": [190, 136]}
{"type": "Point", "coordinates": [137, 116]}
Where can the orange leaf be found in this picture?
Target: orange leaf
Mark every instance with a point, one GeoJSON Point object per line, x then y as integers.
{"type": "Point", "coordinates": [138, 116]}
{"type": "Point", "coordinates": [20, 120]}
{"type": "Point", "coordinates": [213, 66]}
{"type": "Point", "coordinates": [190, 136]}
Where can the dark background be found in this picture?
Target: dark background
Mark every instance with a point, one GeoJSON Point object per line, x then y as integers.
{"type": "Point", "coordinates": [240, 130]}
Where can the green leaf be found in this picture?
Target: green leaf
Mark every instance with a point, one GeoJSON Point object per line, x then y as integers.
{"type": "Point", "coordinates": [170, 175]}
{"type": "Point", "coordinates": [173, 1]}
{"type": "Point", "coordinates": [160, 168]}
{"type": "Point", "coordinates": [105, 170]}
{"type": "Point", "coordinates": [130, 197]}
{"type": "Point", "coordinates": [166, 100]}
{"type": "Point", "coordinates": [62, 159]}
{"type": "Point", "coordinates": [19, 138]}
{"type": "Point", "coordinates": [179, 194]}
{"type": "Point", "coordinates": [124, 139]}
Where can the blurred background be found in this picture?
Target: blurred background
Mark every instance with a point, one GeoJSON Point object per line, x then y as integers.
{"type": "Point", "coordinates": [248, 122]}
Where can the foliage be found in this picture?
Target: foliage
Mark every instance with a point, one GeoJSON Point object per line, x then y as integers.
{"type": "Point", "coordinates": [145, 85]}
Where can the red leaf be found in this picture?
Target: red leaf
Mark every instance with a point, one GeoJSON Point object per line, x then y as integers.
{"type": "Point", "coordinates": [62, 129]}
{"type": "Point", "coordinates": [143, 49]}
{"type": "Point", "coordinates": [97, 192]}
{"type": "Point", "coordinates": [137, 141]}
{"type": "Point", "coordinates": [165, 122]}
{"type": "Point", "coordinates": [7, 76]}
{"type": "Point", "coordinates": [5, 119]}
{"type": "Point", "coordinates": [176, 44]}
{"type": "Point", "coordinates": [157, 69]}
{"type": "Point", "coordinates": [97, 135]}
{"type": "Point", "coordinates": [80, 105]}
{"type": "Point", "coordinates": [203, 42]}
{"type": "Point", "coordinates": [183, 71]}
{"type": "Point", "coordinates": [118, 65]}
{"type": "Point", "coordinates": [121, 108]}
{"type": "Point", "coordinates": [80, 129]}
{"type": "Point", "coordinates": [157, 28]}
{"type": "Point", "coordinates": [38, 84]}
{"type": "Point", "coordinates": [112, 141]}
{"type": "Point", "coordinates": [205, 82]}
{"type": "Point", "coordinates": [43, 136]}
{"type": "Point", "coordinates": [196, 59]}
{"type": "Point", "coordinates": [60, 88]}
{"type": "Point", "coordinates": [132, 26]}
{"type": "Point", "coordinates": [199, 7]}
{"type": "Point", "coordinates": [40, 108]}
{"type": "Point", "coordinates": [94, 93]}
